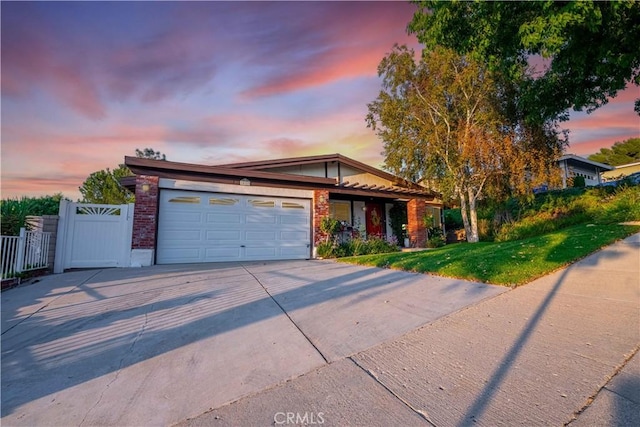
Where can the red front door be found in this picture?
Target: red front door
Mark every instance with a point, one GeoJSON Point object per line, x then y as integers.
{"type": "Point", "coordinates": [374, 220]}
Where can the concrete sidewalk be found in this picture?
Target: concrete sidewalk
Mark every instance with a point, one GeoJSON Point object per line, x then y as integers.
{"type": "Point", "coordinates": [557, 351]}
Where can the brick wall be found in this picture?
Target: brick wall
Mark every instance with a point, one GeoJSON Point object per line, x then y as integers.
{"type": "Point", "coordinates": [145, 213]}
{"type": "Point", "coordinates": [320, 210]}
{"type": "Point", "coordinates": [416, 210]}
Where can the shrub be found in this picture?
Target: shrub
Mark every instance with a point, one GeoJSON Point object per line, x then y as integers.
{"type": "Point", "coordinates": [453, 219]}
{"type": "Point", "coordinates": [373, 245]}
{"type": "Point", "coordinates": [325, 249]}
{"type": "Point", "coordinates": [13, 212]}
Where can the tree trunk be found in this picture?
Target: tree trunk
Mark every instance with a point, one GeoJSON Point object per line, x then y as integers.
{"type": "Point", "coordinates": [464, 213]}
{"type": "Point", "coordinates": [473, 213]}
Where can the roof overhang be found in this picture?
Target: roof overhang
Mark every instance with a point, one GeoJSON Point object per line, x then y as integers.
{"type": "Point", "coordinates": [234, 175]}
{"type": "Point", "coordinates": [573, 160]}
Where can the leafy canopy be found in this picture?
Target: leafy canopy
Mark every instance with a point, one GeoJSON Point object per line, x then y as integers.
{"type": "Point", "coordinates": [621, 153]}
{"type": "Point", "coordinates": [445, 119]}
{"type": "Point", "coordinates": [591, 49]}
{"type": "Point", "coordinates": [103, 186]}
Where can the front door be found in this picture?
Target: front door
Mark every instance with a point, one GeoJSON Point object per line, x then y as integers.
{"type": "Point", "coordinates": [374, 219]}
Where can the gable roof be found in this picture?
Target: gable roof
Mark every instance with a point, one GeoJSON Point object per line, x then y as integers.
{"type": "Point", "coordinates": [320, 159]}
{"type": "Point", "coordinates": [259, 174]}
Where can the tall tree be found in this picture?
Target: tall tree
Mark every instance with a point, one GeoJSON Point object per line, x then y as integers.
{"type": "Point", "coordinates": [104, 187]}
{"type": "Point", "coordinates": [150, 153]}
{"type": "Point", "coordinates": [622, 152]}
{"type": "Point", "coordinates": [442, 118]}
{"type": "Point", "coordinates": [591, 49]}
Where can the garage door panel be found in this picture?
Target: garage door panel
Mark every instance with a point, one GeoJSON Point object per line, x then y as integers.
{"type": "Point", "coordinates": [182, 235]}
{"type": "Point", "coordinates": [234, 235]}
{"type": "Point", "coordinates": [260, 235]}
{"type": "Point", "coordinates": [294, 236]}
{"type": "Point", "coordinates": [180, 254]}
{"type": "Point", "coordinates": [180, 218]}
{"type": "Point", "coordinates": [227, 253]}
{"type": "Point", "coordinates": [231, 227]}
{"type": "Point", "coordinates": [224, 218]}
{"type": "Point", "coordinates": [260, 252]}
{"type": "Point", "coordinates": [294, 251]}
{"type": "Point", "coordinates": [261, 219]}
{"type": "Point", "coordinates": [294, 220]}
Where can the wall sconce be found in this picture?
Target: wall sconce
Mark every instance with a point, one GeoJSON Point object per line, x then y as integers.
{"type": "Point", "coordinates": [145, 188]}
{"type": "Point", "coordinates": [321, 199]}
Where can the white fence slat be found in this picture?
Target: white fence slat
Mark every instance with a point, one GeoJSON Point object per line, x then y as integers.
{"type": "Point", "coordinates": [23, 253]}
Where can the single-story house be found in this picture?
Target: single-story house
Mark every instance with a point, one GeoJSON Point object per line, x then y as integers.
{"type": "Point", "coordinates": [263, 210]}
{"type": "Point", "coordinates": [572, 166]}
{"type": "Point", "coordinates": [621, 171]}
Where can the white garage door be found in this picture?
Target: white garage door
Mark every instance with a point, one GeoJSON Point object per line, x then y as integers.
{"type": "Point", "coordinates": [207, 227]}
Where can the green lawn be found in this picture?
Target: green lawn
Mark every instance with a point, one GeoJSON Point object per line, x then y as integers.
{"type": "Point", "coordinates": [504, 263]}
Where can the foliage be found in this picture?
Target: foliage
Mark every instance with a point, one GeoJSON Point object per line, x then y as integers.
{"type": "Point", "coordinates": [505, 263]}
{"type": "Point", "coordinates": [330, 227]}
{"type": "Point", "coordinates": [104, 187]}
{"type": "Point", "coordinates": [555, 211]}
{"type": "Point", "coordinates": [13, 212]}
{"type": "Point", "coordinates": [436, 238]}
{"type": "Point", "coordinates": [398, 218]}
{"type": "Point", "coordinates": [444, 118]}
{"type": "Point", "coordinates": [621, 153]}
{"type": "Point", "coordinates": [590, 49]}
{"type": "Point", "coordinates": [453, 219]}
{"type": "Point", "coordinates": [355, 247]}
{"type": "Point", "coordinates": [578, 181]}
{"type": "Point", "coordinates": [325, 249]}
{"type": "Point", "coordinates": [150, 153]}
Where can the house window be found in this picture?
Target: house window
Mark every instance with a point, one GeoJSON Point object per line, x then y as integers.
{"type": "Point", "coordinates": [185, 199]}
{"type": "Point", "coordinates": [263, 203]}
{"type": "Point", "coordinates": [222, 202]}
{"type": "Point", "coordinates": [340, 210]}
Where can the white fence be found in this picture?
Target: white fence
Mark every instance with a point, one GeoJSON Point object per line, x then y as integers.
{"type": "Point", "coordinates": [23, 253]}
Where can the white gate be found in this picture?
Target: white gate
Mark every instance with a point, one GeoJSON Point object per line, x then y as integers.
{"type": "Point", "coordinates": [91, 236]}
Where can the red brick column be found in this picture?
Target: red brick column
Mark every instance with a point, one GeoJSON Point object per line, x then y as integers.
{"type": "Point", "coordinates": [320, 210]}
{"type": "Point", "coordinates": [145, 213]}
{"type": "Point", "coordinates": [416, 210]}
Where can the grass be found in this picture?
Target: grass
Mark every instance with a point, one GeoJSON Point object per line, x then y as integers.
{"type": "Point", "coordinates": [505, 263]}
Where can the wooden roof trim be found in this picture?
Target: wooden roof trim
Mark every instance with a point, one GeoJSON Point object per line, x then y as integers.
{"type": "Point", "coordinates": [145, 166]}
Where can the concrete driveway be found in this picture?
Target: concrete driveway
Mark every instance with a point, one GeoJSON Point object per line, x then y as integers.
{"type": "Point", "coordinates": [157, 345]}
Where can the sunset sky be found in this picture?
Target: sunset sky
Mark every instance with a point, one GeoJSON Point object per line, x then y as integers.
{"type": "Point", "coordinates": [84, 84]}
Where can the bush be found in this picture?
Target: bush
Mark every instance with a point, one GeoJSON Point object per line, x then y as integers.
{"type": "Point", "coordinates": [453, 219]}
{"type": "Point", "coordinates": [325, 249]}
{"type": "Point", "coordinates": [13, 212]}
{"type": "Point", "coordinates": [354, 247]}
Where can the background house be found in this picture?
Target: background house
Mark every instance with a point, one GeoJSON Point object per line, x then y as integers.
{"type": "Point", "coordinates": [621, 171]}
{"type": "Point", "coordinates": [572, 166]}
{"type": "Point", "coordinates": [263, 210]}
